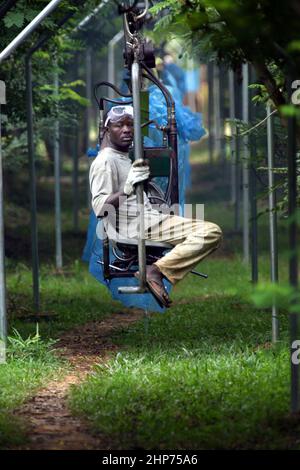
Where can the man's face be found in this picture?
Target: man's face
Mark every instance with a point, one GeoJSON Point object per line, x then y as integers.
{"type": "Point", "coordinates": [121, 133]}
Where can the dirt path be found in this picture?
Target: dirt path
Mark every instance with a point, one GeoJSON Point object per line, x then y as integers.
{"type": "Point", "coordinates": [49, 422]}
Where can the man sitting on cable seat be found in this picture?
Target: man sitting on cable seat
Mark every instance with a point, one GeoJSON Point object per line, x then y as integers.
{"type": "Point", "coordinates": [112, 180]}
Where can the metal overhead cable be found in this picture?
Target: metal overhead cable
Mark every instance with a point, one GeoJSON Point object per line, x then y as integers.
{"type": "Point", "coordinates": [85, 20]}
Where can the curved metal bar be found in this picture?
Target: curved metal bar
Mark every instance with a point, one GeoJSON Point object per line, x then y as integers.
{"type": "Point", "coordinates": [172, 136]}
{"type": "Point", "coordinates": [158, 82]}
{"type": "Point", "coordinates": [152, 121]}
{"type": "Point", "coordinates": [115, 253]}
{"type": "Point", "coordinates": [110, 85]}
{"type": "Point", "coordinates": [158, 199]}
{"type": "Point", "coordinates": [145, 75]}
{"type": "Point", "coordinates": [110, 100]}
{"type": "Point", "coordinates": [123, 9]}
{"type": "Point", "coordinates": [144, 13]}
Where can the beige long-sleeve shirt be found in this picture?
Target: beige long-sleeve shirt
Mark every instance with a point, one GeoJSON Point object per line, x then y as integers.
{"type": "Point", "coordinates": [108, 174]}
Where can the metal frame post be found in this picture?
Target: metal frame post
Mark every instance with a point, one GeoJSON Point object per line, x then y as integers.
{"type": "Point", "coordinates": [111, 60]}
{"type": "Point", "coordinates": [222, 97]}
{"type": "Point", "coordinates": [57, 172]}
{"type": "Point", "coordinates": [238, 172]}
{"type": "Point", "coordinates": [32, 186]}
{"type": "Point", "coordinates": [233, 137]}
{"type": "Point", "coordinates": [138, 154]}
{"type": "Point", "coordinates": [75, 174]}
{"type": "Point", "coordinates": [253, 193]}
{"type": "Point", "coordinates": [3, 323]}
{"type": "Point", "coordinates": [253, 205]}
{"type": "Point", "coordinates": [245, 165]}
{"type": "Point", "coordinates": [210, 111]}
{"type": "Point", "coordinates": [88, 78]}
{"type": "Point", "coordinates": [217, 113]}
{"type": "Point", "coordinates": [272, 218]}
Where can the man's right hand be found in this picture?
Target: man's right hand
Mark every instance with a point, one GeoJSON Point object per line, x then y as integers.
{"type": "Point", "coordinates": [138, 172]}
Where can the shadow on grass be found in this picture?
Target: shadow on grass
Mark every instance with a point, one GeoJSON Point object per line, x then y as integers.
{"type": "Point", "coordinates": [202, 376]}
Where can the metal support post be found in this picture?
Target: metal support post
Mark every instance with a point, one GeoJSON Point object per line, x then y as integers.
{"type": "Point", "coordinates": [32, 186]}
{"type": "Point", "coordinates": [111, 60]}
{"type": "Point", "coordinates": [272, 218]}
{"type": "Point", "coordinates": [3, 326]}
{"type": "Point", "coordinates": [233, 137]}
{"type": "Point", "coordinates": [138, 154]}
{"type": "Point", "coordinates": [253, 195]}
{"type": "Point", "coordinates": [253, 205]}
{"type": "Point", "coordinates": [57, 169]}
{"type": "Point", "coordinates": [89, 85]}
{"type": "Point", "coordinates": [245, 166]}
{"type": "Point", "coordinates": [222, 112]}
{"type": "Point", "coordinates": [238, 172]}
{"type": "Point", "coordinates": [210, 113]}
{"type": "Point", "coordinates": [75, 172]}
{"type": "Point", "coordinates": [217, 114]}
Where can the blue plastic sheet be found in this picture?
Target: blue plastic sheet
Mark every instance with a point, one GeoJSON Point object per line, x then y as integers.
{"type": "Point", "coordinates": [145, 301]}
{"type": "Point", "coordinates": [173, 75]}
{"type": "Point", "coordinates": [192, 80]}
{"type": "Point", "coordinates": [189, 128]}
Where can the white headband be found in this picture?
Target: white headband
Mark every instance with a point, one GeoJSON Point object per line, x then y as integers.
{"type": "Point", "coordinates": [117, 112]}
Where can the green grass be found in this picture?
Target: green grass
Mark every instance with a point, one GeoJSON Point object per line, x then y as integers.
{"type": "Point", "coordinates": [30, 362]}
{"type": "Point", "coordinates": [202, 376]}
{"type": "Point", "coordinates": [74, 298]}
{"type": "Point", "coordinates": [69, 299]}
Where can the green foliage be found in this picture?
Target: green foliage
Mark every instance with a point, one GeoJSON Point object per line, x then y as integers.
{"type": "Point", "coordinates": [65, 92]}
{"type": "Point", "coordinates": [14, 18]}
{"type": "Point", "coordinates": [232, 32]}
{"type": "Point", "coordinates": [58, 54]}
{"type": "Point", "coordinates": [33, 347]}
{"type": "Point", "coordinates": [269, 294]}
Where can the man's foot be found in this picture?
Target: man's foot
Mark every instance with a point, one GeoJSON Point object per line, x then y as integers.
{"type": "Point", "coordinates": [154, 280]}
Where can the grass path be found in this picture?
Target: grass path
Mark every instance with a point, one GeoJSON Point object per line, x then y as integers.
{"type": "Point", "coordinates": [49, 423]}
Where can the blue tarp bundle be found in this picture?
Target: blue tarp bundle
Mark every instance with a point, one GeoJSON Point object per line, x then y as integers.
{"type": "Point", "coordinates": [189, 128]}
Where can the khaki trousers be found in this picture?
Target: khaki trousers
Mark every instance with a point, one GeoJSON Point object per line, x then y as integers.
{"type": "Point", "coordinates": [193, 240]}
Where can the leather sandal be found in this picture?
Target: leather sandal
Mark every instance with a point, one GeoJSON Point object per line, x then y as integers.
{"type": "Point", "coordinates": [158, 291]}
